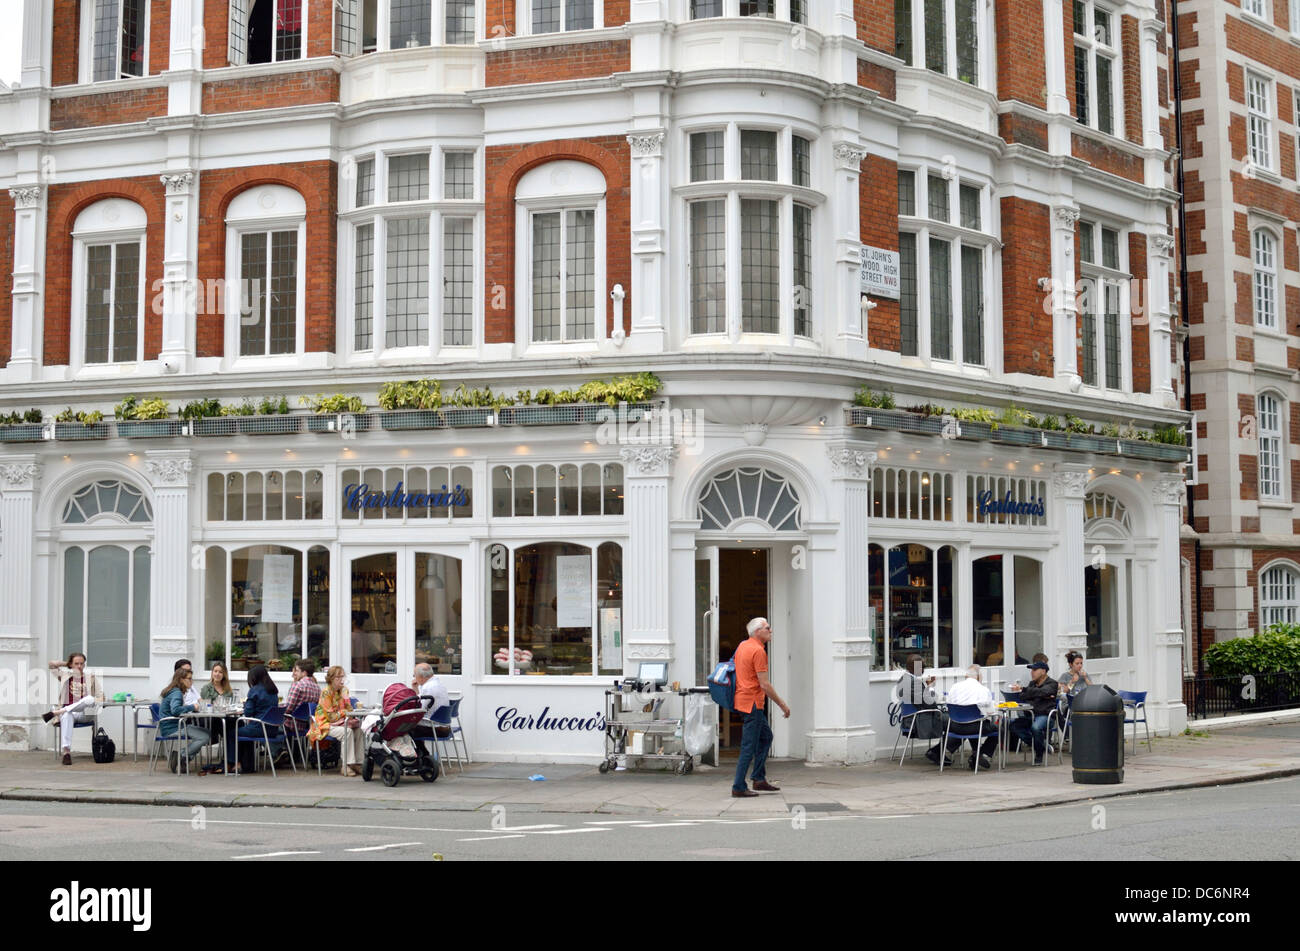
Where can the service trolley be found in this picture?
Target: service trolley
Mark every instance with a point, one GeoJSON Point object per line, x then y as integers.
{"type": "Point", "coordinates": [640, 725]}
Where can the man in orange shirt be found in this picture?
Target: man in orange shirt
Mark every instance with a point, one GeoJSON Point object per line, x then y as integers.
{"type": "Point", "coordinates": [752, 687]}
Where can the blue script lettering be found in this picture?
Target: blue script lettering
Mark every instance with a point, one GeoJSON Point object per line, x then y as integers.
{"type": "Point", "coordinates": [1009, 506]}
{"type": "Point", "coordinates": [359, 496]}
{"type": "Point", "coordinates": [509, 718]}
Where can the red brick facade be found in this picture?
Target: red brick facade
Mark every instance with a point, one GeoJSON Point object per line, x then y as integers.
{"type": "Point", "coordinates": [557, 63]}
{"type": "Point", "coordinates": [1026, 257]}
{"type": "Point", "coordinates": [1022, 69]}
{"type": "Point", "coordinates": [1140, 308]}
{"type": "Point", "coordinates": [108, 108]}
{"type": "Point", "coordinates": [282, 89]}
{"type": "Point", "coordinates": [878, 226]}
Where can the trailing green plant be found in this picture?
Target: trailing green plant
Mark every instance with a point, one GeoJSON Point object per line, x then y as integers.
{"type": "Point", "coordinates": [1170, 435]}
{"type": "Point", "coordinates": [1014, 415]}
{"type": "Point", "coordinates": [15, 418]}
{"type": "Point", "coordinates": [131, 408]}
{"type": "Point", "coordinates": [1050, 422]}
{"type": "Point", "coordinates": [87, 418]}
{"type": "Point", "coordinates": [273, 406]}
{"type": "Point", "coordinates": [201, 409]}
{"type": "Point", "coordinates": [245, 408]}
{"type": "Point", "coordinates": [1274, 649]}
{"type": "Point", "coordinates": [1110, 430]}
{"type": "Point", "coordinates": [976, 415]}
{"type": "Point", "coordinates": [1073, 424]}
{"type": "Point", "coordinates": [867, 397]}
{"type": "Point", "coordinates": [338, 403]}
{"type": "Point", "coordinates": [411, 394]}
{"type": "Point", "coordinates": [428, 394]}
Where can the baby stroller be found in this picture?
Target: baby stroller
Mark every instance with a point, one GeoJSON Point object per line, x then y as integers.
{"type": "Point", "coordinates": [389, 744]}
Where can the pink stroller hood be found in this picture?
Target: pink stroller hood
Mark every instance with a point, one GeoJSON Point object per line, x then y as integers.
{"type": "Point", "coordinates": [395, 695]}
{"type": "Point", "coordinates": [402, 711]}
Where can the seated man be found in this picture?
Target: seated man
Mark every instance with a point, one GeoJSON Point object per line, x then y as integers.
{"type": "Point", "coordinates": [920, 694]}
{"type": "Point", "coordinates": [1040, 693]}
{"type": "Point", "coordinates": [434, 696]}
{"type": "Point", "coordinates": [970, 692]}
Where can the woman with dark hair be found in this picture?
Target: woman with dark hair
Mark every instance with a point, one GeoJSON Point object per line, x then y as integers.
{"type": "Point", "coordinates": [263, 697]}
{"type": "Point", "coordinates": [1074, 678]}
{"type": "Point", "coordinates": [173, 705]}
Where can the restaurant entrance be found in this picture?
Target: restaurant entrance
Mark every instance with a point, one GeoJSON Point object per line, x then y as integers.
{"type": "Point", "coordinates": [732, 586]}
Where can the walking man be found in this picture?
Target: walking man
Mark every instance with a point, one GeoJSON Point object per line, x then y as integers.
{"type": "Point", "coordinates": [752, 689]}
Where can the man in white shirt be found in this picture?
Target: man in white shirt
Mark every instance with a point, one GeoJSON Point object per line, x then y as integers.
{"type": "Point", "coordinates": [429, 686]}
{"type": "Point", "coordinates": [191, 698]}
{"type": "Point", "coordinates": [970, 692]}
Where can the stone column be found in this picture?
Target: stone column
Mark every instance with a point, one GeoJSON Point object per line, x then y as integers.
{"type": "Point", "coordinates": [841, 614]}
{"type": "Point", "coordinates": [1165, 683]}
{"type": "Point", "coordinates": [1068, 487]}
{"type": "Point", "coordinates": [36, 52]}
{"type": "Point", "coordinates": [185, 60]}
{"type": "Point", "coordinates": [1059, 131]}
{"type": "Point", "coordinates": [1064, 342]}
{"type": "Point", "coordinates": [179, 307]}
{"type": "Point", "coordinates": [1159, 249]}
{"type": "Point", "coordinates": [169, 600]}
{"type": "Point", "coordinates": [649, 273]}
{"type": "Point", "coordinates": [1149, 33]}
{"type": "Point", "coordinates": [29, 259]}
{"type": "Point", "coordinates": [19, 478]}
{"type": "Point", "coordinates": [646, 600]}
{"type": "Point", "coordinates": [845, 298]}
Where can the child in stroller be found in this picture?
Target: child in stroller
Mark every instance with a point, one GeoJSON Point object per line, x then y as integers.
{"type": "Point", "coordinates": [389, 745]}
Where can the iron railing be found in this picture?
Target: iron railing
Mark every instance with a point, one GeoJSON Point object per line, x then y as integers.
{"type": "Point", "coordinates": [1249, 693]}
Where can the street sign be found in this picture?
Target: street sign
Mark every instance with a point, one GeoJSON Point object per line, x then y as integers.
{"type": "Point", "coordinates": [879, 275]}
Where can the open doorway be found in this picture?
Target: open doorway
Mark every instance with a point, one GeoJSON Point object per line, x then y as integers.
{"type": "Point", "coordinates": [743, 593]}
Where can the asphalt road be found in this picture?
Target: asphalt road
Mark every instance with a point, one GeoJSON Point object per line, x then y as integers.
{"type": "Point", "coordinates": [1248, 821]}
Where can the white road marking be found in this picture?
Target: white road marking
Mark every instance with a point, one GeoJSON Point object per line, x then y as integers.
{"type": "Point", "coordinates": [551, 825]}
{"type": "Point", "coordinates": [311, 825]}
{"type": "Point", "coordinates": [271, 855]}
{"type": "Point", "coordinates": [662, 825]}
{"type": "Point", "coordinates": [380, 848]}
{"type": "Point", "coordinates": [571, 831]}
{"type": "Point", "coordinates": [611, 822]}
{"type": "Point", "coordinates": [493, 838]}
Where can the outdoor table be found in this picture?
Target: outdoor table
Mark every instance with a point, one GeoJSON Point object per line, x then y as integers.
{"type": "Point", "coordinates": [135, 706]}
{"type": "Point", "coordinates": [226, 715]}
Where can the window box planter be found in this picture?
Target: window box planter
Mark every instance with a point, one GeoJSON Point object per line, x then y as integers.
{"type": "Point", "coordinates": [338, 422]}
{"type": "Point", "coordinates": [569, 413]}
{"type": "Point", "coordinates": [23, 432]}
{"type": "Point", "coordinates": [81, 431]}
{"type": "Point", "coordinates": [974, 430]}
{"type": "Point", "coordinates": [901, 420]}
{"type": "Point", "coordinates": [1157, 451]}
{"type": "Point", "coordinates": [149, 428]}
{"type": "Point", "coordinates": [436, 418]}
{"type": "Point", "coordinates": [1084, 442]}
{"type": "Point", "coordinates": [214, 426]}
{"type": "Point", "coordinates": [278, 425]}
{"type": "Point", "coordinates": [1018, 436]}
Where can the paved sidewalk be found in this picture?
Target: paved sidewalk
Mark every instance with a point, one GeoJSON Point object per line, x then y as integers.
{"type": "Point", "coordinates": [1262, 749]}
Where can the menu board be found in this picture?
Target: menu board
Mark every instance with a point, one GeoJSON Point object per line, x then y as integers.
{"type": "Point", "coordinates": [611, 637]}
{"type": "Point", "coordinates": [573, 594]}
{"type": "Point", "coordinates": [277, 589]}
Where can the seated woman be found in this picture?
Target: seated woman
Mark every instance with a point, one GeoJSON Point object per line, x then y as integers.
{"type": "Point", "coordinates": [263, 697]}
{"type": "Point", "coordinates": [1074, 678]}
{"type": "Point", "coordinates": [173, 705]}
{"type": "Point", "coordinates": [218, 685]}
{"type": "Point", "coordinates": [332, 720]}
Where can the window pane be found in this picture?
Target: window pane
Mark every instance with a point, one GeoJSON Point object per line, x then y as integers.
{"type": "Point", "coordinates": [363, 318]}
{"type": "Point", "coordinates": [1113, 378]}
{"type": "Point", "coordinates": [559, 635]}
{"type": "Point", "coordinates": [801, 161]}
{"type": "Point", "coordinates": [579, 14]}
{"type": "Point", "coordinates": [252, 323]}
{"type": "Point", "coordinates": [967, 40]}
{"type": "Point", "coordinates": [609, 606]}
{"type": "Point", "coordinates": [1101, 27]}
{"type": "Point", "coordinates": [936, 52]}
{"type": "Point", "coordinates": [107, 623]}
{"type": "Point", "coordinates": [969, 197]}
{"type": "Point", "coordinates": [757, 8]}
{"type": "Point", "coordinates": [1101, 604]}
{"type": "Point", "coordinates": [546, 491]}
{"type": "Point", "coordinates": [938, 192]}
{"type": "Point", "coordinates": [438, 612]}
{"type": "Point", "coordinates": [590, 489]}
{"type": "Point", "coordinates": [288, 29]}
{"type": "Point", "coordinates": [797, 12]}
{"type": "Point", "coordinates": [568, 489]}
{"type": "Point", "coordinates": [373, 621]}
{"type": "Point", "coordinates": [940, 300]}
{"type": "Point", "coordinates": [1109, 248]}
{"type": "Point", "coordinates": [580, 275]}
{"type": "Point", "coordinates": [760, 277]}
{"type": "Point", "coordinates": [274, 489]}
{"type": "Point", "coordinates": [458, 175]}
{"type": "Point", "coordinates": [293, 494]}
{"type": "Point", "coordinates": [216, 599]}
{"type": "Point", "coordinates": [1080, 18]}
{"type": "Point", "coordinates": [408, 25]}
{"type": "Point", "coordinates": [318, 607]}
{"type": "Point", "coordinates": [546, 16]}
{"type": "Point", "coordinates": [460, 23]}
{"type": "Point", "coordinates": [758, 155]}
{"type": "Point", "coordinates": [802, 292]}
{"type": "Point", "coordinates": [501, 491]}
{"type": "Point", "coordinates": [706, 156]}
{"type": "Point", "coordinates": [705, 8]}
{"type": "Point", "coordinates": [365, 182]}
{"type": "Point", "coordinates": [524, 492]}
{"type": "Point", "coordinates": [972, 305]}
{"type": "Point", "coordinates": [1105, 102]}
{"type": "Point", "coordinates": [457, 282]}
{"type": "Point", "coordinates": [140, 607]}
{"type": "Point", "coordinates": [906, 192]}
{"type": "Point", "coordinates": [253, 497]}
{"type": "Point", "coordinates": [133, 20]}
{"type": "Point", "coordinates": [987, 609]}
{"type": "Point", "coordinates": [284, 291]}
{"type": "Point", "coordinates": [903, 30]}
{"type": "Point", "coordinates": [1086, 254]}
{"type": "Point", "coordinates": [908, 324]}
{"type": "Point", "coordinates": [1029, 607]}
{"type": "Point", "coordinates": [99, 283]}
{"type": "Point", "coordinates": [74, 577]}
{"type": "Point", "coordinates": [613, 488]}
{"type": "Point", "coordinates": [1088, 331]}
{"type": "Point", "coordinates": [105, 55]}
{"type": "Point", "coordinates": [407, 307]}
{"type": "Point", "coordinates": [408, 176]}
{"type": "Point", "coordinates": [708, 267]}
{"type": "Point", "coordinates": [1081, 84]}
{"type": "Point", "coordinates": [546, 276]}
{"type": "Point", "coordinates": [126, 298]}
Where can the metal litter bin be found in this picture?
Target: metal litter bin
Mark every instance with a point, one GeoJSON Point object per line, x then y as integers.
{"type": "Point", "coordinates": [1097, 736]}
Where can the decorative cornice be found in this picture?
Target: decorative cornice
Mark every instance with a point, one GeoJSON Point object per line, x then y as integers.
{"type": "Point", "coordinates": [1070, 484]}
{"type": "Point", "coordinates": [848, 155]}
{"type": "Point", "coordinates": [26, 196]}
{"type": "Point", "coordinates": [647, 651]}
{"type": "Point", "coordinates": [1163, 244]}
{"type": "Point", "coordinates": [17, 645]}
{"type": "Point", "coordinates": [170, 645]}
{"type": "Point", "coordinates": [849, 463]}
{"type": "Point", "coordinates": [169, 471]}
{"type": "Point", "coordinates": [646, 144]}
{"type": "Point", "coordinates": [20, 475]}
{"type": "Point", "coordinates": [857, 648]}
{"type": "Point", "coordinates": [178, 183]}
{"type": "Point", "coordinates": [648, 460]}
{"type": "Point", "coordinates": [1067, 217]}
{"type": "Point", "coordinates": [1168, 491]}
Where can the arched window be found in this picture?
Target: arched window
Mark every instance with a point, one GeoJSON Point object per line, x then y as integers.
{"type": "Point", "coordinates": [107, 498]}
{"type": "Point", "coordinates": [1264, 253]}
{"type": "Point", "coordinates": [1278, 600]}
{"type": "Point", "coordinates": [749, 494]}
{"type": "Point", "coordinates": [1099, 505]}
{"type": "Point", "coordinates": [560, 231]}
{"type": "Point", "coordinates": [109, 290]}
{"type": "Point", "coordinates": [1108, 576]}
{"type": "Point", "coordinates": [265, 272]}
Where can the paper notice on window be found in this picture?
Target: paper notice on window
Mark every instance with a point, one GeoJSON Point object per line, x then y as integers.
{"type": "Point", "coordinates": [611, 637]}
{"type": "Point", "coordinates": [573, 595]}
{"type": "Point", "coordinates": [277, 589]}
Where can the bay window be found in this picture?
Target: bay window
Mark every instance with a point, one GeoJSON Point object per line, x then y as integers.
{"type": "Point", "coordinates": [793, 10]}
{"type": "Point", "coordinates": [1096, 66]}
{"type": "Point", "coordinates": [1103, 331]}
{"type": "Point", "coordinates": [944, 36]}
{"type": "Point", "coordinates": [365, 26]}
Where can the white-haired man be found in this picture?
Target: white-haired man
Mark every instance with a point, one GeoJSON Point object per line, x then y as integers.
{"type": "Point", "coordinates": [434, 696]}
{"type": "Point", "coordinates": [752, 687]}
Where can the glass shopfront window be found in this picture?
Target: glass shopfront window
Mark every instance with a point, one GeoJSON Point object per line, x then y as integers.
{"type": "Point", "coordinates": [565, 617]}
{"type": "Point", "coordinates": [438, 612]}
{"type": "Point", "coordinates": [912, 589]}
{"type": "Point", "coordinates": [374, 614]}
{"type": "Point", "coordinates": [1006, 609]}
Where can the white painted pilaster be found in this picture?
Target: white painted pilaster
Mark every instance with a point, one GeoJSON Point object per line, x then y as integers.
{"type": "Point", "coordinates": [1165, 693]}
{"type": "Point", "coordinates": [1068, 487]}
{"type": "Point", "coordinates": [19, 479]}
{"type": "Point", "coordinates": [38, 52]}
{"type": "Point", "coordinates": [649, 253]}
{"type": "Point", "coordinates": [170, 635]}
{"type": "Point", "coordinates": [646, 598]}
{"type": "Point", "coordinates": [850, 337]}
{"type": "Point", "coordinates": [1058, 101]}
{"type": "Point", "coordinates": [178, 266]}
{"type": "Point", "coordinates": [1159, 249]}
{"type": "Point", "coordinates": [29, 260]}
{"type": "Point", "coordinates": [1149, 31]}
{"type": "Point", "coordinates": [1064, 345]}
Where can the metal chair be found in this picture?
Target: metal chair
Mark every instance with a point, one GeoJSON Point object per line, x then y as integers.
{"type": "Point", "coordinates": [296, 724]}
{"type": "Point", "coordinates": [963, 714]}
{"type": "Point", "coordinates": [159, 739]}
{"type": "Point", "coordinates": [443, 717]}
{"type": "Point", "coordinates": [1135, 702]}
{"type": "Point", "coordinates": [907, 727]}
{"type": "Point", "coordinates": [135, 721]}
{"type": "Point", "coordinates": [275, 718]}
{"type": "Point", "coordinates": [58, 729]}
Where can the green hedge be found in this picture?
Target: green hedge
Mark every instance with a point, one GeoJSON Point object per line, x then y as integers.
{"type": "Point", "coordinates": [1274, 649]}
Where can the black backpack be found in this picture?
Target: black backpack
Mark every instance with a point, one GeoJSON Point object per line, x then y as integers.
{"type": "Point", "coordinates": [102, 747]}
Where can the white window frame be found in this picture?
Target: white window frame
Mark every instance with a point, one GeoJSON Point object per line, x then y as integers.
{"type": "Point", "coordinates": [1283, 578]}
{"type": "Point", "coordinates": [731, 8]}
{"type": "Point", "coordinates": [1259, 121]}
{"type": "Point", "coordinates": [377, 213]}
{"type": "Point", "coordinates": [1094, 49]}
{"type": "Point", "coordinates": [87, 59]}
{"type": "Point", "coordinates": [81, 240]}
{"type": "Point", "coordinates": [917, 30]}
{"type": "Point", "coordinates": [925, 228]}
{"type": "Point", "coordinates": [1257, 9]}
{"type": "Point", "coordinates": [1100, 276]}
{"type": "Point", "coordinates": [236, 228]}
{"type": "Point", "coordinates": [1271, 429]}
{"type": "Point", "coordinates": [1264, 282]}
{"type": "Point", "coordinates": [525, 17]}
{"type": "Point", "coordinates": [237, 31]}
{"type": "Point", "coordinates": [733, 189]}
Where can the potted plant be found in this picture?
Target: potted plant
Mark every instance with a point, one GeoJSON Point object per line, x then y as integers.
{"type": "Point", "coordinates": [216, 652]}
{"type": "Point", "coordinates": [24, 427]}
{"type": "Point", "coordinates": [205, 418]}
{"type": "Point", "coordinates": [80, 424]}
{"type": "Point", "coordinates": [411, 404]}
{"type": "Point", "coordinates": [330, 412]}
{"type": "Point", "coordinates": [145, 419]}
{"type": "Point", "coordinates": [270, 417]}
{"type": "Point", "coordinates": [237, 659]}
